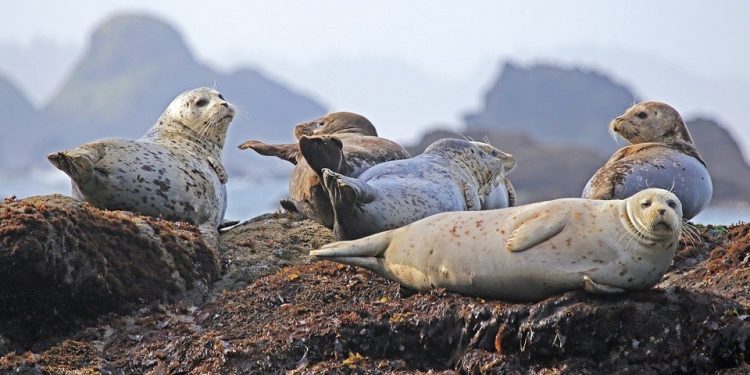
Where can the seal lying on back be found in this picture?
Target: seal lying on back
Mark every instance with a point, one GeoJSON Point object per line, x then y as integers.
{"type": "Point", "coordinates": [529, 252]}
{"type": "Point", "coordinates": [662, 155]}
{"type": "Point", "coordinates": [173, 172]}
{"type": "Point", "coordinates": [451, 175]}
{"type": "Point", "coordinates": [343, 142]}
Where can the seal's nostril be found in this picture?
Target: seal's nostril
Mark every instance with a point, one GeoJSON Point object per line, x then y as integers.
{"type": "Point", "coordinates": [662, 211]}
{"type": "Point", "coordinates": [225, 104]}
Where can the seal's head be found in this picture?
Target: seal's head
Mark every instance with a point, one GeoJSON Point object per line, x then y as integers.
{"type": "Point", "coordinates": [651, 122]}
{"type": "Point", "coordinates": [202, 114]}
{"type": "Point", "coordinates": [655, 214]}
{"type": "Point", "coordinates": [508, 160]}
{"type": "Point", "coordinates": [336, 123]}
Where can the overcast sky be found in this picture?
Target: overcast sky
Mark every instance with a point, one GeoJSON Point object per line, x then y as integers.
{"type": "Point", "coordinates": [454, 47]}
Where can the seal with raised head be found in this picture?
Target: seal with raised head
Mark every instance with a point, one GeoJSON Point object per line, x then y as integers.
{"type": "Point", "coordinates": [344, 142]}
{"type": "Point", "coordinates": [174, 171]}
{"type": "Point", "coordinates": [661, 155]}
{"type": "Point", "coordinates": [451, 175]}
{"type": "Point", "coordinates": [529, 252]}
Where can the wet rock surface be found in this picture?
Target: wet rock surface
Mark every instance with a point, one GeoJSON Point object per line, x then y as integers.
{"type": "Point", "coordinates": [322, 317]}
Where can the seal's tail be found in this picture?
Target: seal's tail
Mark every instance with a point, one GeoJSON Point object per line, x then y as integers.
{"type": "Point", "coordinates": [75, 163]}
{"type": "Point", "coordinates": [365, 252]}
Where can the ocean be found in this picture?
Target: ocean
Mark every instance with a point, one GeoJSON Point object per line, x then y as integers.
{"type": "Point", "coordinates": [248, 197]}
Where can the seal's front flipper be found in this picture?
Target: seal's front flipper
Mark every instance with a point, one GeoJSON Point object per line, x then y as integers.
{"type": "Point", "coordinates": [77, 163]}
{"type": "Point", "coordinates": [511, 192]}
{"type": "Point", "coordinates": [324, 152]}
{"type": "Point", "coordinates": [366, 252]}
{"type": "Point", "coordinates": [288, 152]}
{"type": "Point", "coordinates": [534, 231]}
{"type": "Point", "coordinates": [593, 287]}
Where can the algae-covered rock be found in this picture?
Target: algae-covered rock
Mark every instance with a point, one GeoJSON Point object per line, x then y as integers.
{"type": "Point", "coordinates": [64, 262]}
{"type": "Point", "coordinates": [321, 317]}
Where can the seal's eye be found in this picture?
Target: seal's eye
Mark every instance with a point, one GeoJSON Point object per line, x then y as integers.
{"type": "Point", "coordinates": [221, 97]}
{"type": "Point", "coordinates": [671, 204]}
{"type": "Point", "coordinates": [641, 115]}
{"type": "Point", "coordinates": [201, 102]}
{"type": "Point", "coordinates": [319, 125]}
{"type": "Point", "coordinates": [646, 204]}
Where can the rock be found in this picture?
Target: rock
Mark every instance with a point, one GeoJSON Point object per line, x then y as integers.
{"type": "Point", "coordinates": [323, 317]}
{"type": "Point", "coordinates": [265, 244]}
{"type": "Point", "coordinates": [554, 104]}
{"type": "Point", "coordinates": [723, 156]}
{"type": "Point", "coordinates": [64, 263]}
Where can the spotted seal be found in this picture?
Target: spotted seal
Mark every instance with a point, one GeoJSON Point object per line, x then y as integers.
{"type": "Point", "coordinates": [344, 142]}
{"type": "Point", "coordinates": [662, 155]}
{"type": "Point", "coordinates": [529, 252]}
{"type": "Point", "coordinates": [451, 175]}
{"type": "Point", "coordinates": [174, 171]}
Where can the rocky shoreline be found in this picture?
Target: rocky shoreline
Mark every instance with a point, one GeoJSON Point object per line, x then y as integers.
{"type": "Point", "coordinates": [86, 291]}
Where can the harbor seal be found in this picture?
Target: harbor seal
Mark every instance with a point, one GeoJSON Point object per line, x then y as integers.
{"type": "Point", "coordinates": [451, 175]}
{"type": "Point", "coordinates": [662, 155]}
{"type": "Point", "coordinates": [529, 252]}
{"type": "Point", "coordinates": [174, 171]}
{"type": "Point", "coordinates": [344, 142]}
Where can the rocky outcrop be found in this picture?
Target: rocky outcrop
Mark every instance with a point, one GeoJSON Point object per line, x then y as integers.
{"type": "Point", "coordinates": [553, 104]}
{"type": "Point", "coordinates": [64, 263]}
{"type": "Point", "coordinates": [266, 244]}
{"type": "Point", "coordinates": [134, 65]}
{"type": "Point", "coordinates": [729, 170]}
{"type": "Point", "coordinates": [321, 317]}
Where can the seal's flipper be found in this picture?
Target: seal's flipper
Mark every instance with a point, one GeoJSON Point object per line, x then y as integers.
{"type": "Point", "coordinates": [346, 190]}
{"type": "Point", "coordinates": [534, 231]}
{"type": "Point", "coordinates": [471, 198]}
{"type": "Point", "coordinates": [593, 287]}
{"type": "Point", "coordinates": [288, 152]}
{"type": "Point", "coordinates": [77, 163]}
{"type": "Point", "coordinates": [288, 205]}
{"type": "Point", "coordinates": [323, 152]}
{"type": "Point", "coordinates": [366, 252]}
{"type": "Point", "coordinates": [511, 192]}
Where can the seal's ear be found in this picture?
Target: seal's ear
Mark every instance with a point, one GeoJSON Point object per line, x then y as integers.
{"type": "Point", "coordinates": [324, 152]}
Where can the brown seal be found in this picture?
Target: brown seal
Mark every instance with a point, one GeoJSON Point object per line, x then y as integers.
{"type": "Point", "coordinates": [662, 155]}
{"type": "Point", "coordinates": [344, 142]}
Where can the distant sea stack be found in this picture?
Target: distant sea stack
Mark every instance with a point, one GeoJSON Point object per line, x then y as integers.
{"type": "Point", "coordinates": [730, 172]}
{"type": "Point", "coordinates": [20, 126]}
{"type": "Point", "coordinates": [553, 104]}
{"type": "Point", "coordinates": [135, 65]}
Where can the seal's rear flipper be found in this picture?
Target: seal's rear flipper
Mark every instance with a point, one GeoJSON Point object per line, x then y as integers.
{"type": "Point", "coordinates": [77, 164]}
{"type": "Point", "coordinates": [346, 190]}
{"type": "Point", "coordinates": [366, 252]}
{"type": "Point", "coordinates": [288, 205]}
{"type": "Point", "coordinates": [324, 152]}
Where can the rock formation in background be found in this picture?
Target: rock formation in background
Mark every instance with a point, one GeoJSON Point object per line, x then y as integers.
{"type": "Point", "coordinates": [730, 172]}
{"type": "Point", "coordinates": [553, 104]}
{"type": "Point", "coordinates": [20, 125]}
{"type": "Point", "coordinates": [135, 65]}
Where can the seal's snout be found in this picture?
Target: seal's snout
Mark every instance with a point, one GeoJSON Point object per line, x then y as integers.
{"type": "Point", "coordinates": [662, 211]}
